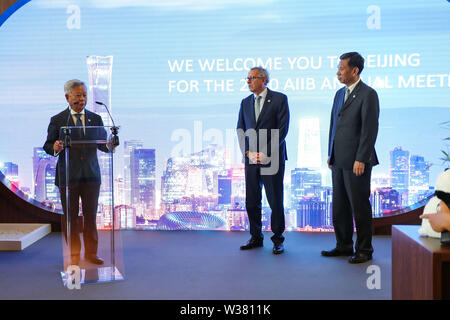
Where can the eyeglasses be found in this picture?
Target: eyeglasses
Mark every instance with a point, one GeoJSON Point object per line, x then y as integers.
{"type": "Point", "coordinates": [252, 78]}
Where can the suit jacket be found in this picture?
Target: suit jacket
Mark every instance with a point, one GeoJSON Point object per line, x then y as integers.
{"type": "Point", "coordinates": [274, 115]}
{"type": "Point", "coordinates": [83, 162]}
{"type": "Point", "coordinates": [354, 127]}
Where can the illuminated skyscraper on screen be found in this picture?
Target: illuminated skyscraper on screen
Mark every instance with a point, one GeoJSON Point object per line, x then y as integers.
{"type": "Point", "coordinates": [306, 179]}
{"type": "Point", "coordinates": [173, 181]}
{"type": "Point", "coordinates": [224, 186]}
{"type": "Point", "coordinates": [143, 179]}
{"type": "Point", "coordinates": [305, 182]}
{"type": "Point", "coordinates": [419, 178]}
{"type": "Point", "coordinates": [11, 172]}
{"type": "Point", "coordinates": [100, 71]}
{"type": "Point", "coordinates": [400, 173]}
{"type": "Point", "coordinates": [44, 171]}
{"type": "Point", "coordinates": [195, 177]}
{"type": "Point", "coordinates": [129, 147]}
{"type": "Point", "coordinates": [384, 201]}
{"type": "Point", "coordinates": [419, 172]}
{"type": "Point", "coordinates": [311, 212]}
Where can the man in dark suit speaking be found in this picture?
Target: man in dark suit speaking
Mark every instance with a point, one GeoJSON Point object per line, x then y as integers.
{"type": "Point", "coordinates": [351, 156]}
{"type": "Point", "coordinates": [84, 171]}
{"type": "Point", "coordinates": [262, 128]}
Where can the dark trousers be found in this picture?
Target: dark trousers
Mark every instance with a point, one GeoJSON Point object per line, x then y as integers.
{"type": "Point", "coordinates": [88, 192]}
{"type": "Point", "coordinates": [351, 194]}
{"type": "Point", "coordinates": [273, 185]}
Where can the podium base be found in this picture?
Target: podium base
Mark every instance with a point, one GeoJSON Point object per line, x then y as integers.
{"type": "Point", "coordinates": [75, 276]}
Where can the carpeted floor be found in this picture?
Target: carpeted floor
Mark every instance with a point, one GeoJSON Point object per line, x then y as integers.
{"type": "Point", "coordinates": [203, 265]}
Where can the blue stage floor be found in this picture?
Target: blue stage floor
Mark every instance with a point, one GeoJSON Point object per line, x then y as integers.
{"type": "Point", "coordinates": [203, 265]}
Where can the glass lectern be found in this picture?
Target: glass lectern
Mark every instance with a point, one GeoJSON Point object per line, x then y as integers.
{"type": "Point", "coordinates": [92, 246]}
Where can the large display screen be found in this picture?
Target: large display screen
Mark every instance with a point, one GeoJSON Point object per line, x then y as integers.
{"type": "Point", "coordinates": [173, 75]}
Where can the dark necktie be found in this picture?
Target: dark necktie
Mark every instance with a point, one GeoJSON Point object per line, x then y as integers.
{"type": "Point", "coordinates": [347, 93]}
{"type": "Point", "coordinates": [257, 107]}
{"type": "Point", "coordinates": [78, 123]}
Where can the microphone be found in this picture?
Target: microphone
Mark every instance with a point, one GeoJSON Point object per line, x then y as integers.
{"type": "Point", "coordinates": [101, 103]}
{"type": "Point", "coordinates": [114, 129]}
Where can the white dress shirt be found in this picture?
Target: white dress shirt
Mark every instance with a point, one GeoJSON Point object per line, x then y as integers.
{"type": "Point", "coordinates": [350, 88]}
{"type": "Point", "coordinates": [74, 118]}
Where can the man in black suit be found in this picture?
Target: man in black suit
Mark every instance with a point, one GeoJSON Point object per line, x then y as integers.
{"type": "Point", "coordinates": [351, 156]}
{"type": "Point", "coordinates": [84, 171]}
{"type": "Point", "coordinates": [262, 128]}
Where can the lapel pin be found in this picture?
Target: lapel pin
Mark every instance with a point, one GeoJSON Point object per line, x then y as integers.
{"type": "Point", "coordinates": [268, 100]}
{"type": "Point", "coordinates": [89, 120]}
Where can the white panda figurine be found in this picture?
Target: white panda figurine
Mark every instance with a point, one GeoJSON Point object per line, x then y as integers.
{"type": "Point", "coordinates": [442, 184]}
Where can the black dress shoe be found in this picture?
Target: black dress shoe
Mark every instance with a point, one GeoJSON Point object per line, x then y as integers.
{"type": "Point", "coordinates": [94, 259]}
{"type": "Point", "coordinates": [337, 252]}
{"type": "Point", "coordinates": [278, 248]}
{"type": "Point", "coordinates": [360, 258]}
{"type": "Point", "coordinates": [252, 244]}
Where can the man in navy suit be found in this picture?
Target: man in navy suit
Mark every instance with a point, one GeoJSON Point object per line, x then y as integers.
{"type": "Point", "coordinates": [84, 171]}
{"type": "Point", "coordinates": [351, 156]}
{"type": "Point", "coordinates": [262, 128]}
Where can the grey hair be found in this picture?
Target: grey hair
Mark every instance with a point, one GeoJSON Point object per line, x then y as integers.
{"type": "Point", "coordinates": [69, 85]}
{"type": "Point", "coordinates": [263, 73]}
